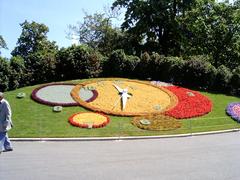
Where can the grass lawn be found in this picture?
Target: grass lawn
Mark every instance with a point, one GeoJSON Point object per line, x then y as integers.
{"type": "Point", "coordinates": [32, 119]}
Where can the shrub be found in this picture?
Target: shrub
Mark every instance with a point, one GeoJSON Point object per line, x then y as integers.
{"type": "Point", "coordinates": [93, 66]}
{"type": "Point", "coordinates": [17, 75]}
{"type": "Point", "coordinates": [169, 68]}
{"type": "Point", "coordinates": [222, 80]}
{"type": "Point", "coordinates": [198, 73]}
{"type": "Point", "coordinates": [4, 74]}
{"type": "Point", "coordinates": [78, 62]}
{"type": "Point", "coordinates": [235, 81]}
{"type": "Point", "coordinates": [121, 65]}
{"type": "Point", "coordinates": [40, 67]}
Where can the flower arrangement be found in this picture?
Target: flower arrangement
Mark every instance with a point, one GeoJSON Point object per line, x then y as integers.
{"type": "Point", "coordinates": [233, 110]}
{"type": "Point", "coordinates": [21, 95]}
{"type": "Point", "coordinates": [190, 103]}
{"type": "Point", "coordinates": [57, 108]}
{"type": "Point", "coordinates": [45, 101]}
{"type": "Point", "coordinates": [89, 120]}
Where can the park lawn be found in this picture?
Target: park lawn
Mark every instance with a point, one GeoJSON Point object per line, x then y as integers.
{"type": "Point", "coordinates": [32, 119]}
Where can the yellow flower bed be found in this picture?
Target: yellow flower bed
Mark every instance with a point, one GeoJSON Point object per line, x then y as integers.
{"type": "Point", "coordinates": [145, 99]}
{"type": "Point", "coordinates": [89, 120]}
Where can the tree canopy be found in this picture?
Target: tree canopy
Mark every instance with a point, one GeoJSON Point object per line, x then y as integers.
{"type": "Point", "coordinates": [2, 43]}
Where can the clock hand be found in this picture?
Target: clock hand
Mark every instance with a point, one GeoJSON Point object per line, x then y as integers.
{"type": "Point", "coordinates": [123, 95]}
{"type": "Point", "coordinates": [118, 88]}
{"type": "Point", "coordinates": [117, 102]}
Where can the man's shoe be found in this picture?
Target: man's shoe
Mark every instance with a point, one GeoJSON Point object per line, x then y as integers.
{"type": "Point", "coordinates": [6, 150]}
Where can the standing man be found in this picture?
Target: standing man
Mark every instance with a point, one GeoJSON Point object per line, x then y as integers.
{"type": "Point", "coordinates": [5, 124]}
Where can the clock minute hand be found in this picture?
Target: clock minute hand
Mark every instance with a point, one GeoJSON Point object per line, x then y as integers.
{"type": "Point", "coordinates": [118, 88]}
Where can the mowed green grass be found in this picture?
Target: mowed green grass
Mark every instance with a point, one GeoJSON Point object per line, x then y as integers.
{"type": "Point", "coordinates": [32, 119]}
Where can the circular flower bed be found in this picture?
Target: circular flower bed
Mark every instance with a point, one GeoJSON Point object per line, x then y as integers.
{"type": "Point", "coordinates": [156, 122]}
{"type": "Point", "coordinates": [58, 94]}
{"type": "Point", "coordinates": [141, 98]}
{"type": "Point", "coordinates": [190, 103]}
{"type": "Point", "coordinates": [233, 110]}
{"type": "Point", "coordinates": [89, 120]}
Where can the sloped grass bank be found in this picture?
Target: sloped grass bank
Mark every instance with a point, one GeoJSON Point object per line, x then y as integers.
{"type": "Point", "coordinates": [32, 119]}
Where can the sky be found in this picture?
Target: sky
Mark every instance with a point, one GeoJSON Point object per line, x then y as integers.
{"type": "Point", "coordinates": [56, 14]}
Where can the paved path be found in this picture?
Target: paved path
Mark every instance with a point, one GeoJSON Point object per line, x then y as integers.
{"type": "Point", "coordinates": [206, 157]}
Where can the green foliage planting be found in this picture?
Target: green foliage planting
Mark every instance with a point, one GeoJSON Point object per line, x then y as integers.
{"type": "Point", "coordinates": [156, 122]}
{"type": "Point", "coordinates": [198, 73]}
{"type": "Point", "coordinates": [79, 61]}
{"type": "Point", "coordinates": [17, 73]}
{"type": "Point", "coordinates": [223, 77]}
{"type": "Point", "coordinates": [4, 74]}
{"type": "Point", "coordinates": [121, 65]}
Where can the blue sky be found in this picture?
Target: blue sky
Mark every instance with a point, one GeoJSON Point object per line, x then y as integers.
{"type": "Point", "coordinates": [56, 14]}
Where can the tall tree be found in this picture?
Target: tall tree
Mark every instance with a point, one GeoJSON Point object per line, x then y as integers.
{"type": "Point", "coordinates": [98, 32]}
{"type": "Point", "coordinates": [32, 39]}
{"type": "Point", "coordinates": [214, 30]}
{"type": "Point", "coordinates": [155, 22]}
{"type": "Point", "coordinates": [3, 44]}
{"type": "Point", "coordinates": [37, 51]}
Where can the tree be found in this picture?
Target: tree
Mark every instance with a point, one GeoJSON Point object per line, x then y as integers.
{"type": "Point", "coordinates": [213, 29]}
{"type": "Point", "coordinates": [155, 22]}
{"type": "Point", "coordinates": [32, 39]}
{"type": "Point", "coordinates": [2, 43]}
{"type": "Point", "coordinates": [37, 51]}
{"type": "Point", "coordinates": [97, 32]}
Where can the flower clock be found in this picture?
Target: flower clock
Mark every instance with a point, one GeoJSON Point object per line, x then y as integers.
{"type": "Point", "coordinates": [126, 97]}
{"type": "Point", "coordinates": [155, 103]}
{"type": "Point", "coordinates": [233, 110]}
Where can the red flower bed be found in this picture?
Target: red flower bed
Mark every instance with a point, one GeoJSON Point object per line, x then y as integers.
{"type": "Point", "coordinates": [191, 103]}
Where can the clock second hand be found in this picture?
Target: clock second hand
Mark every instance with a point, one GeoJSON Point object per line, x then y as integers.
{"type": "Point", "coordinates": [116, 102]}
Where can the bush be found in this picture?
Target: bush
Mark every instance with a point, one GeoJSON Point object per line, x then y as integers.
{"type": "Point", "coordinates": [235, 81]}
{"type": "Point", "coordinates": [169, 68]}
{"type": "Point", "coordinates": [93, 66]}
{"type": "Point", "coordinates": [198, 73]}
{"type": "Point", "coordinates": [146, 66]}
{"type": "Point", "coordinates": [40, 67]}
{"type": "Point", "coordinates": [4, 74]}
{"type": "Point", "coordinates": [17, 73]}
{"type": "Point", "coordinates": [78, 62]}
{"type": "Point", "coordinates": [121, 65]}
{"type": "Point", "coordinates": [222, 80]}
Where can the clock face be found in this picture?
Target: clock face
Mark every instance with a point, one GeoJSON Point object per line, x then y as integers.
{"type": "Point", "coordinates": [141, 98]}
